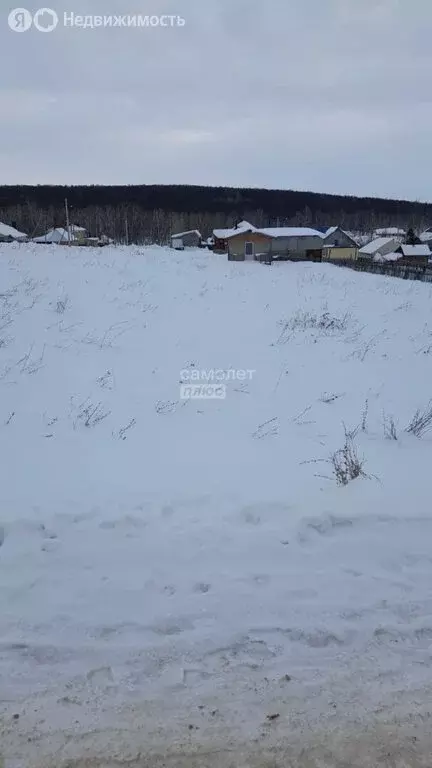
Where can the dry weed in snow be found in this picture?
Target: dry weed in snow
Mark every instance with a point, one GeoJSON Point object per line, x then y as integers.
{"type": "Point", "coordinates": [346, 462]}
{"type": "Point", "coordinates": [390, 427]}
{"type": "Point", "coordinates": [421, 423]}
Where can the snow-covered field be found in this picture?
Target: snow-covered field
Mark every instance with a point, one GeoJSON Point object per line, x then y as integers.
{"type": "Point", "coordinates": [183, 581]}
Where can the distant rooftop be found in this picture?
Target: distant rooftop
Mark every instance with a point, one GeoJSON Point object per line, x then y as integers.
{"type": "Point", "coordinates": [376, 244]}
{"type": "Point", "coordinates": [7, 231]}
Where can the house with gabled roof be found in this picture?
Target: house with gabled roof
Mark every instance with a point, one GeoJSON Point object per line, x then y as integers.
{"type": "Point", "coordinates": [222, 236]}
{"type": "Point", "coordinates": [192, 238]}
{"type": "Point", "coordinates": [58, 235]}
{"type": "Point", "coordinates": [248, 243]}
{"type": "Point", "coordinates": [380, 246]}
{"type": "Point", "coordinates": [407, 255]}
{"type": "Point", "coordinates": [414, 254]}
{"type": "Point", "coordinates": [338, 238]}
{"type": "Point", "coordinates": [339, 245]}
{"type": "Point", "coordinates": [61, 236]}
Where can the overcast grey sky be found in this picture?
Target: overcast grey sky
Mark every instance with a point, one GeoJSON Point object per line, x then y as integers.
{"type": "Point", "coordinates": [324, 95]}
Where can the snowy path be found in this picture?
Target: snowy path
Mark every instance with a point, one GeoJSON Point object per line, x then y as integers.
{"type": "Point", "coordinates": [203, 586]}
{"type": "Point", "coordinates": [338, 629]}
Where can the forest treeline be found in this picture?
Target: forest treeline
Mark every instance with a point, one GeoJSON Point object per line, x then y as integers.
{"type": "Point", "coordinates": [150, 213]}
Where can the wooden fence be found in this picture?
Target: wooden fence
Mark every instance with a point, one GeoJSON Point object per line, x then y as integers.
{"type": "Point", "coordinates": [404, 271]}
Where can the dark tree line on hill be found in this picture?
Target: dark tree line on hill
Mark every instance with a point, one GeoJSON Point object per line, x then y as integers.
{"type": "Point", "coordinates": [151, 213]}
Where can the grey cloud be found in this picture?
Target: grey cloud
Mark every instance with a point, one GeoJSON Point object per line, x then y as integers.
{"type": "Point", "coordinates": [332, 96]}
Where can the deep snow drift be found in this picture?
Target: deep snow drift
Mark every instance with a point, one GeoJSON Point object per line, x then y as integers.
{"type": "Point", "coordinates": [185, 575]}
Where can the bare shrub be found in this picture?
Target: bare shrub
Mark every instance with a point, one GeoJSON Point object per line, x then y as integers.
{"type": "Point", "coordinates": [29, 364]}
{"type": "Point", "coordinates": [328, 323]}
{"type": "Point", "coordinates": [90, 414]}
{"type": "Point", "coordinates": [122, 433]}
{"type": "Point", "coordinates": [304, 321]}
{"type": "Point", "coordinates": [362, 352]}
{"type": "Point", "coordinates": [285, 334]}
{"type": "Point", "coordinates": [351, 433]}
{"type": "Point", "coordinates": [421, 422]}
{"type": "Point", "coordinates": [62, 305]}
{"type": "Point", "coordinates": [299, 419]}
{"type": "Point", "coordinates": [106, 340]}
{"type": "Point", "coordinates": [347, 464]}
{"type": "Point", "coordinates": [168, 406]}
{"type": "Point", "coordinates": [390, 428]}
{"type": "Point", "coordinates": [269, 428]}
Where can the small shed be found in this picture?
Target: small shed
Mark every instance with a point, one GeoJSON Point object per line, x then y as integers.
{"type": "Point", "coordinates": [380, 246]}
{"type": "Point", "coordinates": [190, 239]}
{"type": "Point", "coordinates": [61, 236]}
{"type": "Point", "coordinates": [58, 235]}
{"type": "Point", "coordinates": [414, 254]}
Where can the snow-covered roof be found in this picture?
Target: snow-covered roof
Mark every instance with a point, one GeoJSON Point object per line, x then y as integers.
{"type": "Point", "coordinates": [188, 232]}
{"type": "Point", "coordinates": [225, 234]}
{"type": "Point", "coordinates": [426, 236]}
{"type": "Point", "coordinates": [416, 250]}
{"type": "Point", "coordinates": [57, 235]}
{"type": "Point", "coordinates": [389, 231]}
{"type": "Point", "coordinates": [272, 232]}
{"type": "Point", "coordinates": [359, 238]}
{"type": "Point", "coordinates": [290, 232]}
{"type": "Point", "coordinates": [330, 246]}
{"type": "Point", "coordinates": [330, 231]}
{"type": "Point", "coordinates": [75, 228]}
{"type": "Point", "coordinates": [376, 245]}
{"type": "Point", "coordinates": [245, 224]}
{"type": "Point", "coordinates": [7, 231]}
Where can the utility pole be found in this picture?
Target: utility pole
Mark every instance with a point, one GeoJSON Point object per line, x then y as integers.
{"type": "Point", "coordinates": [127, 231]}
{"type": "Point", "coordinates": [67, 221]}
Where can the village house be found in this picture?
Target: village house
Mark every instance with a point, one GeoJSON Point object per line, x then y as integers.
{"type": "Point", "coordinates": [190, 239]}
{"type": "Point", "coordinates": [381, 246]}
{"type": "Point", "coordinates": [338, 238]}
{"type": "Point", "coordinates": [248, 243]}
{"type": "Point", "coordinates": [338, 245]}
{"type": "Point", "coordinates": [221, 236]}
{"type": "Point", "coordinates": [10, 234]}
{"type": "Point", "coordinates": [408, 255]}
{"type": "Point", "coordinates": [61, 236]}
{"type": "Point", "coordinates": [414, 254]}
{"type": "Point", "coordinates": [360, 238]}
{"type": "Point", "coordinates": [395, 232]}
